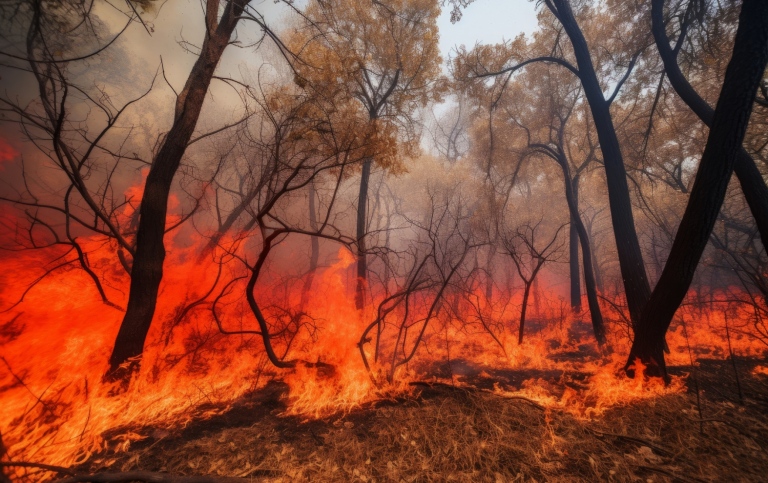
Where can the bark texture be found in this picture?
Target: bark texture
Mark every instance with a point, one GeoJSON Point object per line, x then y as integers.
{"type": "Point", "coordinates": [314, 245]}
{"type": "Point", "coordinates": [362, 224]}
{"type": "Point", "coordinates": [573, 254]}
{"type": "Point", "coordinates": [598, 326]}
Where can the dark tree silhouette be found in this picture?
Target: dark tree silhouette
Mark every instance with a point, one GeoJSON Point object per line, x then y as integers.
{"type": "Point", "coordinates": [636, 285]}
{"type": "Point", "coordinates": [750, 178]}
{"type": "Point", "coordinates": [147, 269]}
{"type": "Point", "coordinates": [633, 273]}
{"type": "Point", "coordinates": [529, 257]}
{"type": "Point", "coordinates": [721, 154]}
{"type": "Point", "coordinates": [74, 196]}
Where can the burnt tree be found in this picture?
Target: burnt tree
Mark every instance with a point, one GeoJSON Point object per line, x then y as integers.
{"type": "Point", "coordinates": [147, 270]}
{"type": "Point", "coordinates": [751, 180]}
{"type": "Point", "coordinates": [529, 258]}
{"type": "Point", "coordinates": [573, 252]}
{"type": "Point", "coordinates": [633, 273]}
{"type": "Point", "coordinates": [635, 279]}
{"type": "Point", "coordinates": [722, 152]}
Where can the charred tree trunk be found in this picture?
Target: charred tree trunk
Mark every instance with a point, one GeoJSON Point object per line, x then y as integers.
{"type": "Point", "coordinates": [573, 253]}
{"type": "Point", "coordinates": [489, 272]}
{"type": "Point", "coordinates": [524, 309]}
{"type": "Point", "coordinates": [147, 269]}
{"type": "Point", "coordinates": [631, 262]}
{"type": "Point", "coordinates": [571, 197]}
{"type": "Point", "coordinates": [750, 178]}
{"type": "Point", "coordinates": [314, 243]}
{"type": "Point", "coordinates": [250, 297]}
{"type": "Point", "coordinates": [314, 240]}
{"type": "Point", "coordinates": [362, 262]}
{"type": "Point", "coordinates": [721, 154]}
{"type": "Point", "coordinates": [595, 263]}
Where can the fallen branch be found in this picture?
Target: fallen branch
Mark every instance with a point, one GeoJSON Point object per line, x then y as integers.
{"type": "Point", "coordinates": [519, 398]}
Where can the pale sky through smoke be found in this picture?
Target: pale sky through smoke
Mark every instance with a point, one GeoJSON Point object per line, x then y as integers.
{"type": "Point", "coordinates": [135, 59]}
{"type": "Point", "coordinates": [483, 21]}
{"type": "Point", "coordinates": [486, 22]}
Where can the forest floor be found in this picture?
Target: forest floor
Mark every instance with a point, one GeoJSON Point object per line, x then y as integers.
{"type": "Point", "coordinates": [444, 433]}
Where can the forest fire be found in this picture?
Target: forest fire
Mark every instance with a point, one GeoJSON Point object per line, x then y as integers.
{"type": "Point", "coordinates": [57, 409]}
{"type": "Point", "coordinates": [341, 250]}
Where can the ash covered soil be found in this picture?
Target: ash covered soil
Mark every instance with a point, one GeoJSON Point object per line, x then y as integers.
{"type": "Point", "coordinates": [441, 432]}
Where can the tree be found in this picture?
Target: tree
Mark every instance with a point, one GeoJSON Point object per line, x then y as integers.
{"type": "Point", "coordinates": [83, 157]}
{"type": "Point", "coordinates": [386, 55]}
{"type": "Point", "coordinates": [637, 287]}
{"type": "Point", "coordinates": [750, 178]}
{"type": "Point", "coordinates": [724, 145]}
{"type": "Point", "coordinates": [147, 268]}
{"type": "Point", "coordinates": [529, 257]}
{"type": "Point", "coordinates": [314, 242]}
{"type": "Point", "coordinates": [636, 283]}
{"type": "Point", "coordinates": [540, 102]}
{"type": "Point", "coordinates": [301, 135]}
{"type": "Point", "coordinates": [555, 149]}
{"type": "Point", "coordinates": [428, 268]}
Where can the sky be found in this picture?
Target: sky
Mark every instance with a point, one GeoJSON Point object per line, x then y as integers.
{"type": "Point", "coordinates": [487, 22]}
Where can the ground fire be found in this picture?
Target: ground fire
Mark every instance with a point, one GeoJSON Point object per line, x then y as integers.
{"type": "Point", "coordinates": [304, 242]}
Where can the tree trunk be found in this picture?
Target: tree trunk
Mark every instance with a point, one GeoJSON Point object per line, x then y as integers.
{"type": "Point", "coordinates": [751, 181]}
{"type": "Point", "coordinates": [595, 265]}
{"type": "Point", "coordinates": [573, 251]}
{"type": "Point", "coordinates": [526, 293]}
{"type": "Point", "coordinates": [254, 306]}
{"type": "Point", "coordinates": [636, 284]}
{"type": "Point", "coordinates": [489, 273]}
{"type": "Point", "coordinates": [314, 243]}
{"type": "Point", "coordinates": [147, 270]}
{"type": "Point", "coordinates": [729, 125]}
{"type": "Point", "coordinates": [598, 326]}
{"type": "Point", "coordinates": [362, 265]}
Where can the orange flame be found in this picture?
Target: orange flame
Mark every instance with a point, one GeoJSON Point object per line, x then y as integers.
{"type": "Point", "coordinates": [55, 345]}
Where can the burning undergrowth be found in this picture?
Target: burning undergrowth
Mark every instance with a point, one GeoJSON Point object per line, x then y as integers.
{"type": "Point", "coordinates": [303, 295]}
{"type": "Point", "coordinates": [444, 432]}
{"type": "Point", "coordinates": [418, 383]}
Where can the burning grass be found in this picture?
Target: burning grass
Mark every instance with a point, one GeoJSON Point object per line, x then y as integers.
{"type": "Point", "coordinates": [496, 410]}
{"type": "Point", "coordinates": [440, 432]}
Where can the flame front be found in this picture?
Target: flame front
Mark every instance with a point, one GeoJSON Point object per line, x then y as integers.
{"type": "Point", "coordinates": [56, 339]}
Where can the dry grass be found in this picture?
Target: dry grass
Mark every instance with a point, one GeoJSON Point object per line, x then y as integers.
{"type": "Point", "coordinates": [442, 433]}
